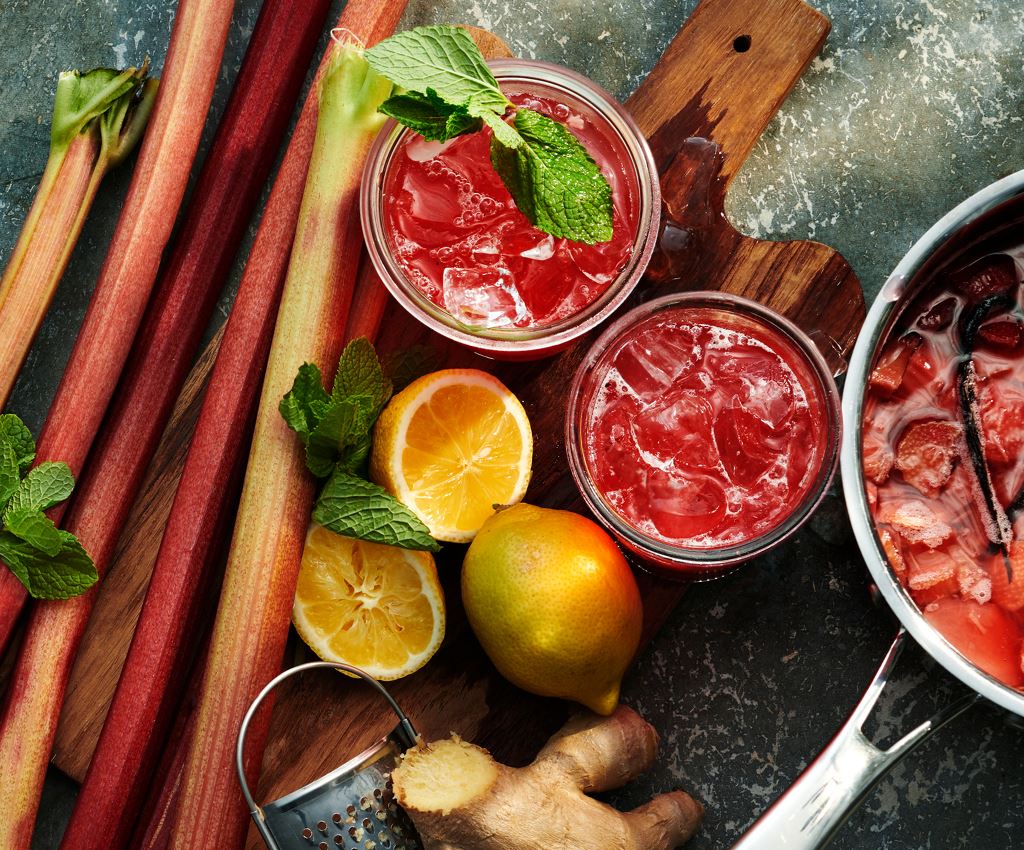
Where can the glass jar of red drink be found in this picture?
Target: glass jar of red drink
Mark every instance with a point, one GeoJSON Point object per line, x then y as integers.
{"type": "Point", "coordinates": [703, 429]}
{"type": "Point", "coordinates": [450, 245]}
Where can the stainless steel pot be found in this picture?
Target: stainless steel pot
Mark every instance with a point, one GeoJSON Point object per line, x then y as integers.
{"type": "Point", "coordinates": [808, 814]}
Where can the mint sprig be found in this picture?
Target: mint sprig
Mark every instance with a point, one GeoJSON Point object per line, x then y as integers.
{"type": "Point", "coordinates": [51, 563]}
{"type": "Point", "coordinates": [450, 91]}
{"type": "Point", "coordinates": [336, 428]}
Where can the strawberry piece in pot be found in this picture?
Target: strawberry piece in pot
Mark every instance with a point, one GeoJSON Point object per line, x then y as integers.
{"type": "Point", "coordinates": [1002, 418]}
{"type": "Point", "coordinates": [929, 569]}
{"type": "Point", "coordinates": [892, 552]}
{"type": "Point", "coordinates": [940, 316]}
{"type": "Point", "coordinates": [888, 372]}
{"type": "Point", "coordinates": [987, 276]}
{"type": "Point", "coordinates": [915, 522]}
{"type": "Point", "coordinates": [877, 457]}
{"type": "Point", "coordinates": [1008, 586]}
{"type": "Point", "coordinates": [925, 454]}
{"type": "Point", "coordinates": [1002, 334]}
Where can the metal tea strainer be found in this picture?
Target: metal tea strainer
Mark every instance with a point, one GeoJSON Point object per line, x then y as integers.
{"type": "Point", "coordinates": [353, 806]}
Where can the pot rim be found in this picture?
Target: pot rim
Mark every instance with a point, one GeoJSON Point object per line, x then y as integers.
{"type": "Point", "coordinates": [876, 324]}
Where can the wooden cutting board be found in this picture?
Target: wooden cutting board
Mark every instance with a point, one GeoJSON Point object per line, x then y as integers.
{"type": "Point", "coordinates": [703, 107]}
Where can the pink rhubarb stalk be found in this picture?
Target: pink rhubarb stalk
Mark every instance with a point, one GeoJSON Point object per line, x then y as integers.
{"type": "Point", "coordinates": [98, 118]}
{"type": "Point", "coordinates": [255, 605]}
{"type": "Point", "coordinates": [129, 271]}
{"type": "Point", "coordinates": [369, 303]}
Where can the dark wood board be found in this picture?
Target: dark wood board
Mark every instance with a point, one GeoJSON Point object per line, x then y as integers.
{"type": "Point", "coordinates": [702, 107]}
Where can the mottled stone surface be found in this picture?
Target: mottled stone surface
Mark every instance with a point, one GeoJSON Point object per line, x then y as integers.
{"type": "Point", "coordinates": [912, 106]}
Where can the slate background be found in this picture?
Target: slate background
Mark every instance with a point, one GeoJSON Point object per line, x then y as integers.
{"type": "Point", "coordinates": [912, 106]}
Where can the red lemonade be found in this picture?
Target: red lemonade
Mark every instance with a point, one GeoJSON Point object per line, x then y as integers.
{"type": "Point", "coordinates": [706, 428]}
{"type": "Point", "coordinates": [459, 238]}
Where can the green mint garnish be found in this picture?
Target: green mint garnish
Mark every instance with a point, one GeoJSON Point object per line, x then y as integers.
{"type": "Point", "coordinates": [450, 91]}
{"type": "Point", "coordinates": [15, 433]}
{"type": "Point", "coordinates": [444, 59]}
{"type": "Point", "coordinates": [430, 116]}
{"type": "Point", "coordinates": [355, 507]}
{"type": "Point", "coordinates": [553, 180]}
{"type": "Point", "coordinates": [405, 366]}
{"type": "Point", "coordinates": [336, 428]}
{"type": "Point", "coordinates": [51, 563]}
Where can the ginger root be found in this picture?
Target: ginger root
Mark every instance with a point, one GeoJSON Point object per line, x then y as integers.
{"type": "Point", "coordinates": [460, 798]}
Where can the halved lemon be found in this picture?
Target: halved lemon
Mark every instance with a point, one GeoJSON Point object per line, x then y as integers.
{"type": "Point", "coordinates": [379, 608]}
{"type": "Point", "coordinates": [451, 446]}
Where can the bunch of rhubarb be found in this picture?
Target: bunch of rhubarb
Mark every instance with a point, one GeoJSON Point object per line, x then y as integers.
{"type": "Point", "coordinates": [235, 170]}
{"type": "Point", "coordinates": [133, 259]}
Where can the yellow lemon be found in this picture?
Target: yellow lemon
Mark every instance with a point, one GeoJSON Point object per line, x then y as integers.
{"type": "Point", "coordinates": [450, 446]}
{"type": "Point", "coordinates": [553, 603]}
{"type": "Point", "coordinates": [376, 607]}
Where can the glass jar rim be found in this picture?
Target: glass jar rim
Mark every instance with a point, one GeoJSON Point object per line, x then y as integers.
{"type": "Point", "coordinates": [559, 333]}
{"type": "Point", "coordinates": [725, 556]}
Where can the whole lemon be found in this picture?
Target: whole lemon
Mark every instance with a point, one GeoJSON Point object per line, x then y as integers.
{"type": "Point", "coordinates": [553, 603]}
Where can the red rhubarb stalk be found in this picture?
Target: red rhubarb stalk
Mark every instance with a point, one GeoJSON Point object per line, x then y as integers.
{"type": "Point", "coordinates": [98, 118]}
{"type": "Point", "coordinates": [255, 606]}
{"type": "Point", "coordinates": [130, 269]}
{"type": "Point", "coordinates": [152, 832]}
{"type": "Point", "coordinates": [137, 721]}
{"type": "Point", "coordinates": [238, 163]}
{"type": "Point", "coordinates": [369, 303]}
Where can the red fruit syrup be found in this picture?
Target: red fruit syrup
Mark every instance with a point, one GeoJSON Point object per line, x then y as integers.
{"type": "Point", "coordinates": [456, 233]}
{"type": "Point", "coordinates": [706, 428]}
{"type": "Point", "coordinates": [943, 455]}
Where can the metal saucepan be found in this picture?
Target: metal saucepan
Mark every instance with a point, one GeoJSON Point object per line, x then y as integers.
{"type": "Point", "coordinates": [826, 793]}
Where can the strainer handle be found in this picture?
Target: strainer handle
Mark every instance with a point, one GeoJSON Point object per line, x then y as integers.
{"type": "Point", "coordinates": [404, 724]}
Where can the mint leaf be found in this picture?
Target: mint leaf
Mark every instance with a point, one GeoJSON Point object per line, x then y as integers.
{"type": "Point", "coordinates": [14, 431]}
{"type": "Point", "coordinates": [35, 528]}
{"type": "Point", "coordinates": [554, 181]}
{"type": "Point", "coordinates": [10, 474]}
{"type": "Point", "coordinates": [506, 134]}
{"type": "Point", "coordinates": [50, 563]}
{"type": "Point", "coordinates": [356, 508]}
{"type": "Point", "coordinates": [361, 380]}
{"type": "Point", "coordinates": [306, 402]}
{"type": "Point", "coordinates": [45, 486]}
{"type": "Point", "coordinates": [404, 367]}
{"type": "Point", "coordinates": [69, 573]}
{"type": "Point", "coordinates": [442, 58]}
{"type": "Point", "coordinates": [339, 427]}
{"type": "Point", "coordinates": [430, 116]}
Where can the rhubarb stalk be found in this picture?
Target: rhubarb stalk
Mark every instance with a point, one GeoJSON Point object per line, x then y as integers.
{"type": "Point", "coordinates": [255, 606]}
{"type": "Point", "coordinates": [368, 305]}
{"type": "Point", "coordinates": [132, 261]}
{"type": "Point", "coordinates": [98, 119]}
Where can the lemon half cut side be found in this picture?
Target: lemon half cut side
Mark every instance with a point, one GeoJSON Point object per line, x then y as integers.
{"type": "Point", "coordinates": [451, 446]}
{"type": "Point", "coordinates": [376, 607]}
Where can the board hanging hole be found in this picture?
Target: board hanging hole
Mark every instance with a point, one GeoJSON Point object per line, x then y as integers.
{"type": "Point", "coordinates": [741, 44]}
